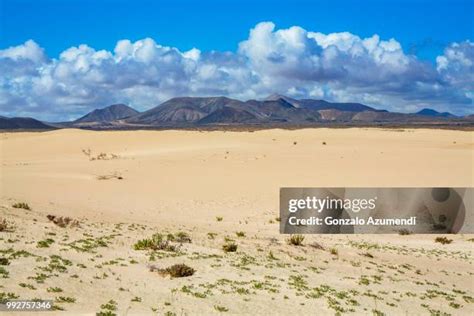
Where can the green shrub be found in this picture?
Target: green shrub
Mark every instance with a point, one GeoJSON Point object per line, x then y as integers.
{"type": "Point", "coordinates": [45, 243]}
{"type": "Point", "coordinates": [156, 242]}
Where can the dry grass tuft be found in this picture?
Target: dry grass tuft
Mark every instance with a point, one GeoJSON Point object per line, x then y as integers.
{"type": "Point", "coordinates": [443, 240]}
{"type": "Point", "coordinates": [229, 247]}
{"type": "Point", "coordinates": [63, 221]}
{"type": "Point", "coordinates": [295, 240]}
{"type": "Point", "coordinates": [175, 271]}
{"type": "Point", "coordinates": [22, 205]}
{"type": "Point", "coordinates": [6, 226]}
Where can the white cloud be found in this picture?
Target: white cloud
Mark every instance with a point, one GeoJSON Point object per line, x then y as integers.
{"type": "Point", "coordinates": [28, 51]}
{"type": "Point", "coordinates": [293, 61]}
{"type": "Point", "coordinates": [456, 65]}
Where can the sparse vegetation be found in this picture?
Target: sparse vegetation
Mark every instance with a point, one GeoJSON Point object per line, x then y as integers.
{"type": "Point", "coordinates": [240, 234]}
{"type": "Point", "coordinates": [156, 242]}
{"type": "Point", "coordinates": [100, 156]}
{"type": "Point", "coordinates": [45, 243]}
{"type": "Point", "coordinates": [175, 271]}
{"type": "Point", "coordinates": [4, 261]}
{"type": "Point", "coordinates": [65, 299]}
{"type": "Point", "coordinates": [5, 226]}
{"type": "Point", "coordinates": [404, 232]}
{"type": "Point", "coordinates": [28, 286]}
{"type": "Point", "coordinates": [221, 308]}
{"type": "Point", "coordinates": [182, 237]}
{"type": "Point", "coordinates": [63, 221]}
{"type": "Point", "coordinates": [22, 205]}
{"type": "Point", "coordinates": [229, 247]}
{"type": "Point", "coordinates": [443, 240]}
{"type": "Point", "coordinates": [4, 273]}
{"type": "Point", "coordinates": [108, 309]}
{"type": "Point", "coordinates": [295, 240]}
{"type": "Point", "coordinates": [219, 218]}
{"type": "Point", "coordinates": [211, 235]}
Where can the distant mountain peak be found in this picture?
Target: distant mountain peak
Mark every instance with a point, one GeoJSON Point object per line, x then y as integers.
{"type": "Point", "coordinates": [108, 114]}
{"type": "Point", "coordinates": [22, 123]}
{"type": "Point", "coordinates": [276, 97]}
{"type": "Point", "coordinates": [431, 112]}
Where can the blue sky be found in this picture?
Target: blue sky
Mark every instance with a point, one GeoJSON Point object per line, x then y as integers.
{"type": "Point", "coordinates": [61, 59]}
{"type": "Point", "coordinates": [421, 26]}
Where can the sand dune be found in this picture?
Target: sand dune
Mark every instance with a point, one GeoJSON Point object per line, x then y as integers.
{"type": "Point", "coordinates": [171, 181]}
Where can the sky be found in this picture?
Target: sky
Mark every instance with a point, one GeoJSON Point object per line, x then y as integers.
{"type": "Point", "coordinates": [60, 59]}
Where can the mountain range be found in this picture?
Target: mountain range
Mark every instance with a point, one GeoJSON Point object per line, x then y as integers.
{"type": "Point", "coordinates": [218, 111]}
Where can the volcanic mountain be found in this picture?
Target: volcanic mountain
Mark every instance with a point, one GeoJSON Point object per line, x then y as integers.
{"type": "Point", "coordinates": [22, 123]}
{"type": "Point", "coordinates": [108, 114]}
{"type": "Point", "coordinates": [274, 110]}
{"type": "Point", "coordinates": [431, 112]}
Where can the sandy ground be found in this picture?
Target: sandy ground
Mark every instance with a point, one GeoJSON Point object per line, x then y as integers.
{"type": "Point", "coordinates": [123, 186]}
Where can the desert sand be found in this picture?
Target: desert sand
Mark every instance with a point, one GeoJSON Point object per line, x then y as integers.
{"type": "Point", "coordinates": [123, 186]}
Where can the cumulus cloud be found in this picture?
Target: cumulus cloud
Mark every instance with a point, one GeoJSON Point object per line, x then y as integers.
{"type": "Point", "coordinates": [293, 61]}
{"type": "Point", "coordinates": [456, 65]}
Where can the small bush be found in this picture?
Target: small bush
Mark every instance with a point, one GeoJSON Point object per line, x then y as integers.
{"type": "Point", "coordinates": [296, 240]}
{"type": "Point", "coordinates": [156, 242]}
{"type": "Point", "coordinates": [221, 308]}
{"type": "Point", "coordinates": [404, 232]}
{"type": "Point", "coordinates": [4, 261]}
{"type": "Point", "coordinates": [5, 226]}
{"type": "Point", "coordinates": [175, 271]}
{"type": "Point", "coordinates": [211, 235]}
{"type": "Point", "coordinates": [110, 305]}
{"type": "Point", "coordinates": [240, 234]}
{"type": "Point", "coordinates": [22, 205]}
{"type": "Point", "coordinates": [182, 237]}
{"type": "Point", "coordinates": [334, 251]}
{"type": "Point", "coordinates": [219, 218]}
{"type": "Point", "coordinates": [63, 221]}
{"type": "Point", "coordinates": [65, 299]}
{"type": "Point", "coordinates": [271, 256]}
{"type": "Point", "coordinates": [443, 240]}
{"type": "Point", "coordinates": [45, 243]}
{"type": "Point", "coordinates": [229, 247]}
